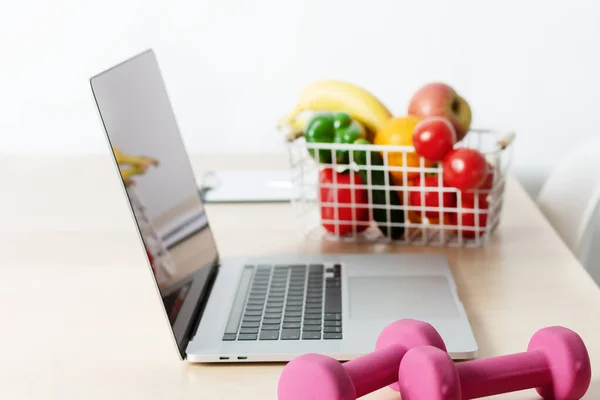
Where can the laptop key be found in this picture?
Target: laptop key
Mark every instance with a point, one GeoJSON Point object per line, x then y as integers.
{"type": "Point", "coordinates": [290, 334]}
{"type": "Point", "coordinates": [311, 328]}
{"type": "Point", "coordinates": [291, 325]}
{"type": "Point", "coordinates": [247, 336]}
{"type": "Point", "coordinates": [249, 330]}
{"type": "Point", "coordinates": [312, 322]}
{"type": "Point", "coordinates": [332, 336]}
{"type": "Point", "coordinates": [332, 323]}
{"type": "Point", "coordinates": [252, 313]}
{"type": "Point", "coordinates": [292, 308]}
{"type": "Point", "coordinates": [254, 308]}
{"type": "Point", "coordinates": [270, 327]}
{"type": "Point", "coordinates": [271, 321]}
{"type": "Point", "coordinates": [333, 316]}
{"type": "Point", "coordinates": [273, 315]}
{"type": "Point", "coordinates": [250, 324]}
{"type": "Point", "coordinates": [332, 329]}
{"type": "Point", "coordinates": [275, 300]}
{"type": "Point", "coordinates": [297, 285]}
{"type": "Point", "coordinates": [313, 316]}
{"type": "Point", "coordinates": [293, 313]}
{"type": "Point", "coordinates": [314, 306]}
{"type": "Point", "coordinates": [291, 319]}
{"type": "Point", "coordinates": [251, 318]}
{"type": "Point", "coordinates": [333, 301]}
{"type": "Point", "coordinates": [269, 335]}
{"type": "Point", "coordinates": [229, 336]}
{"type": "Point", "coordinates": [311, 335]}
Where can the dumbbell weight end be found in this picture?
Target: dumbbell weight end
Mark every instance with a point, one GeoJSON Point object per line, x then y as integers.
{"type": "Point", "coordinates": [511, 373]}
{"type": "Point", "coordinates": [556, 364]}
{"type": "Point", "coordinates": [314, 376]}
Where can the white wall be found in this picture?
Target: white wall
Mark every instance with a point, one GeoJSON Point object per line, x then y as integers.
{"type": "Point", "coordinates": [233, 67]}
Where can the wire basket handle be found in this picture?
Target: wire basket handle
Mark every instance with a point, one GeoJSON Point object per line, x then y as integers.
{"type": "Point", "coordinates": [506, 140]}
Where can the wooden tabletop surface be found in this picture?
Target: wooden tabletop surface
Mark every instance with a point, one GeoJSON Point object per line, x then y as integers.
{"type": "Point", "coordinates": [80, 317]}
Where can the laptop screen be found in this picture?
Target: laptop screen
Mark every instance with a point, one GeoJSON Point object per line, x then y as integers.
{"type": "Point", "coordinates": [161, 188]}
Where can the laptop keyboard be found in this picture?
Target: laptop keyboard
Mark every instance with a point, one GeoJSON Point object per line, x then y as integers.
{"type": "Point", "coordinates": [287, 302]}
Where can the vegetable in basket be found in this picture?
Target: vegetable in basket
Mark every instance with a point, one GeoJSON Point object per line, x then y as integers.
{"type": "Point", "coordinates": [482, 192]}
{"type": "Point", "coordinates": [465, 169]}
{"type": "Point", "coordinates": [398, 131]}
{"type": "Point", "coordinates": [341, 215]}
{"type": "Point", "coordinates": [378, 195]}
{"type": "Point", "coordinates": [430, 192]}
{"type": "Point", "coordinates": [332, 127]}
{"type": "Point", "coordinates": [471, 223]}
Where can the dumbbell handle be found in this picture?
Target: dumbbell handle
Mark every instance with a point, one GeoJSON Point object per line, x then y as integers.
{"type": "Point", "coordinates": [510, 373]}
{"type": "Point", "coordinates": [375, 370]}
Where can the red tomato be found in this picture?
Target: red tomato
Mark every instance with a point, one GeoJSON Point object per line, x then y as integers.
{"type": "Point", "coordinates": [482, 192]}
{"type": "Point", "coordinates": [340, 198]}
{"type": "Point", "coordinates": [431, 196]}
{"type": "Point", "coordinates": [434, 137]}
{"type": "Point", "coordinates": [464, 169]}
{"type": "Point", "coordinates": [467, 221]}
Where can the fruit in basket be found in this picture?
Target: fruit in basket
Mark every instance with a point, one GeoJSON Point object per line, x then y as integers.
{"type": "Point", "coordinates": [482, 193]}
{"type": "Point", "coordinates": [334, 95]}
{"type": "Point", "coordinates": [379, 197]}
{"type": "Point", "coordinates": [398, 131]}
{"type": "Point", "coordinates": [431, 197]}
{"type": "Point", "coordinates": [434, 137]}
{"type": "Point", "coordinates": [332, 127]}
{"type": "Point", "coordinates": [470, 220]}
{"type": "Point", "coordinates": [464, 169]}
{"type": "Point", "coordinates": [438, 99]}
{"type": "Point", "coordinates": [347, 209]}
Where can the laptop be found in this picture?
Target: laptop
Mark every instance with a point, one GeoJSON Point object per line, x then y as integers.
{"type": "Point", "coordinates": [275, 308]}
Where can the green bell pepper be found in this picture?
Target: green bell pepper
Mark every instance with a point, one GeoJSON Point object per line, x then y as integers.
{"type": "Point", "coordinates": [333, 127]}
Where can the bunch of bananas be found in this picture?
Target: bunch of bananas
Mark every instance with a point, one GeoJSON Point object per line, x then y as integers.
{"type": "Point", "coordinates": [335, 96]}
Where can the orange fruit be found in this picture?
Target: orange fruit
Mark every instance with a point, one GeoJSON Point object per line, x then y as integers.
{"type": "Point", "coordinates": [398, 131]}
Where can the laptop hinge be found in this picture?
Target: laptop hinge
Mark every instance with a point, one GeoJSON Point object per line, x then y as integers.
{"type": "Point", "coordinates": [194, 323]}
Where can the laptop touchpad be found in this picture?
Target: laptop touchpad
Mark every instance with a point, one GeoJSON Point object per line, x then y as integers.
{"type": "Point", "coordinates": [395, 297]}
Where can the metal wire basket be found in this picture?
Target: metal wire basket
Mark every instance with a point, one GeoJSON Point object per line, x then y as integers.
{"type": "Point", "coordinates": [385, 201]}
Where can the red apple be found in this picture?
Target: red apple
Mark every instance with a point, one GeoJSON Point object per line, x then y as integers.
{"type": "Point", "coordinates": [438, 99]}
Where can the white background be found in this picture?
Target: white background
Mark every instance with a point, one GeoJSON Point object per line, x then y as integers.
{"type": "Point", "coordinates": [233, 67]}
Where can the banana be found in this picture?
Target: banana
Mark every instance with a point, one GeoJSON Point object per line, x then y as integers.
{"type": "Point", "coordinates": [141, 162]}
{"type": "Point", "coordinates": [332, 95]}
{"type": "Point", "coordinates": [128, 173]}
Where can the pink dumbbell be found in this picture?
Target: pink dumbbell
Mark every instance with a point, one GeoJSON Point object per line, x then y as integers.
{"type": "Point", "coordinates": [556, 363]}
{"type": "Point", "coordinates": [317, 377]}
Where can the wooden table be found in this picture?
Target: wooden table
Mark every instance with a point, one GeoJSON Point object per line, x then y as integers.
{"type": "Point", "coordinates": [80, 317]}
